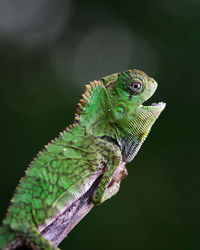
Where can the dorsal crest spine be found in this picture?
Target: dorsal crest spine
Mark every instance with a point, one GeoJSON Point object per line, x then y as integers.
{"type": "Point", "coordinates": [89, 88]}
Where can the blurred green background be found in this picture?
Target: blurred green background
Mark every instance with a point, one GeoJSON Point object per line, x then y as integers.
{"type": "Point", "coordinates": [49, 50]}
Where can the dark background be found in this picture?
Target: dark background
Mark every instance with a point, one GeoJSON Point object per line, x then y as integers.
{"type": "Point", "coordinates": [49, 50]}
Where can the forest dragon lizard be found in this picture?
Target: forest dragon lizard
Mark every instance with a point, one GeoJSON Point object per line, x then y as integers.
{"type": "Point", "coordinates": [109, 128]}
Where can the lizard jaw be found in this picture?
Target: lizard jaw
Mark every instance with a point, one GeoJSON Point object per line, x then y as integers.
{"type": "Point", "coordinates": [154, 107]}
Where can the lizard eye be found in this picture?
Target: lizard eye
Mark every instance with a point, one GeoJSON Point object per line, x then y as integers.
{"type": "Point", "coordinates": [136, 87]}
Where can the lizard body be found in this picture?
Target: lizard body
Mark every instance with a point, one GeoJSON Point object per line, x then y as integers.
{"type": "Point", "coordinates": [109, 128]}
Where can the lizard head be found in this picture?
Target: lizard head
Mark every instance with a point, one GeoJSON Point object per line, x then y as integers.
{"type": "Point", "coordinates": [132, 120]}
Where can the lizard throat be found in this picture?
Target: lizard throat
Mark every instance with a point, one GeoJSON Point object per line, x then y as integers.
{"type": "Point", "coordinates": [129, 147]}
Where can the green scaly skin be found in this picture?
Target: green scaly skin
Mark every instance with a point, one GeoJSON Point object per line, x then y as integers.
{"type": "Point", "coordinates": [109, 128]}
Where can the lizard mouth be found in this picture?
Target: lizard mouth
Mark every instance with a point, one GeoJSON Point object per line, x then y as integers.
{"type": "Point", "coordinates": [154, 107]}
{"type": "Point", "coordinates": [153, 104]}
{"type": "Point", "coordinates": [157, 104]}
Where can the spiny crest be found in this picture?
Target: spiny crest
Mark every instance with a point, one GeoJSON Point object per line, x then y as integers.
{"type": "Point", "coordinates": [85, 97]}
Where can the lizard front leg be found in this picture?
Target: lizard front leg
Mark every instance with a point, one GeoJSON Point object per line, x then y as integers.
{"type": "Point", "coordinates": [104, 192]}
{"type": "Point", "coordinates": [114, 185]}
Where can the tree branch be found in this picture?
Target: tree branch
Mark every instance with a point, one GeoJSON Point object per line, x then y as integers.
{"type": "Point", "coordinates": [60, 227]}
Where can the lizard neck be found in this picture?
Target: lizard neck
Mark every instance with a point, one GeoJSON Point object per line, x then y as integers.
{"type": "Point", "coordinates": [92, 115]}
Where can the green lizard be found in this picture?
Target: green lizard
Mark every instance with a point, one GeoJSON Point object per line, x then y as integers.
{"type": "Point", "coordinates": [109, 128]}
